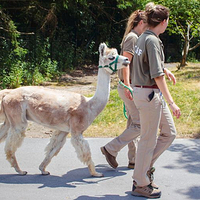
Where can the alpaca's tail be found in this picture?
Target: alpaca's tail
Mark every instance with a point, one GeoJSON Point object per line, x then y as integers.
{"type": "Point", "coordinates": [3, 93]}
{"type": "Point", "coordinates": [3, 122]}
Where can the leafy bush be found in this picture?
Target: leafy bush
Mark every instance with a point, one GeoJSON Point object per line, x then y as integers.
{"type": "Point", "coordinates": [19, 68]}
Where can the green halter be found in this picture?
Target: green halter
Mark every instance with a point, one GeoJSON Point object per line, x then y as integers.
{"type": "Point", "coordinates": [109, 66]}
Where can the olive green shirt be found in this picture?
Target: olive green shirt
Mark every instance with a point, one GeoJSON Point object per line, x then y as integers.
{"type": "Point", "coordinates": [148, 59]}
{"type": "Point", "coordinates": [128, 46]}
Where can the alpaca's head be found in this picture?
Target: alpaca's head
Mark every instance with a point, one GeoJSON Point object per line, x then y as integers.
{"type": "Point", "coordinates": [110, 59]}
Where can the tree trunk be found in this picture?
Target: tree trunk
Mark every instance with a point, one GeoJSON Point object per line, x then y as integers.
{"type": "Point", "coordinates": [186, 47]}
{"type": "Point", "coordinates": [184, 54]}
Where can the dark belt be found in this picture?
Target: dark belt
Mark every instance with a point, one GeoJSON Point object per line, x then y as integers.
{"type": "Point", "coordinates": [147, 86]}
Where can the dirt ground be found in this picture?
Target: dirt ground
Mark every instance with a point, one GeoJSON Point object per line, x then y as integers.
{"type": "Point", "coordinates": [81, 81]}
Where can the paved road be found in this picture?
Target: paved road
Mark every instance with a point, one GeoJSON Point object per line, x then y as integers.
{"type": "Point", "coordinates": [177, 174]}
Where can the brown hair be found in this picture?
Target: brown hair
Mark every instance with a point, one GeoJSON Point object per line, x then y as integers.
{"type": "Point", "coordinates": [133, 21]}
{"type": "Point", "coordinates": [156, 14]}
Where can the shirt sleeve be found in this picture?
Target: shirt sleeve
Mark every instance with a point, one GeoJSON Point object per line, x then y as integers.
{"type": "Point", "coordinates": [129, 43]}
{"type": "Point", "coordinates": [155, 58]}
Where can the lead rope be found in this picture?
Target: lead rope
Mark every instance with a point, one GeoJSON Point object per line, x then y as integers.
{"type": "Point", "coordinates": [124, 108]}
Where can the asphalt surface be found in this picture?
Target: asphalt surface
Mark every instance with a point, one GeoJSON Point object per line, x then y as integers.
{"type": "Point", "coordinates": [177, 173]}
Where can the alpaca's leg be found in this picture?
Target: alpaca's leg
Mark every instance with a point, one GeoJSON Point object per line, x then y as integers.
{"type": "Point", "coordinates": [16, 115]}
{"type": "Point", "coordinates": [56, 143]}
{"type": "Point", "coordinates": [13, 141]}
{"type": "Point", "coordinates": [4, 130]}
{"type": "Point", "coordinates": [83, 152]}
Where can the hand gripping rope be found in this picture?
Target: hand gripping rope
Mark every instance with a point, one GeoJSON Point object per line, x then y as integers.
{"type": "Point", "coordinates": [124, 108]}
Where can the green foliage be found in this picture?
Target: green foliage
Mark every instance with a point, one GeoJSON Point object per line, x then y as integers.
{"type": "Point", "coordinates": [17, 70]}
{"type": "Point", "coordinates": [192, 57]}
{"type": "Point", "coordinates": [17, 66]}
{"type": "Point", "coordinates": [182, 12]}
{"type": "Point", "coordinates": [184, 21]}
{"type": "Point", "coordinates": [15, 77]}
{"type": "Point", "coordinates": [45, 38]}
{"type": "Point", "coordinates": [123, 4]}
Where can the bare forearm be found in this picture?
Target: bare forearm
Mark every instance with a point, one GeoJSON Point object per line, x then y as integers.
{"type": "Point", "coordinates": [126, 70]}
{"type": "Point", "coordinates": [126, 76]}
{"type": "Point", "coordinates": [161, 83]}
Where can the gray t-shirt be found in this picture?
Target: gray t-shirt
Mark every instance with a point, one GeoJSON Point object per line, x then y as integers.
{"type": "Point", "coordinates": [148, 60]}
{"type": "Point", "coordinates": [128, 46]}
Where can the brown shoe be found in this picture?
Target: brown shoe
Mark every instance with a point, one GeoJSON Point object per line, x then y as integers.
{"type": "Point", "coordinates": [151, 177]}
{"type": "Point", "coordinates": [146, 191]}
{"type": "Point", "coordinates": [110, 159]}
{"type": "Point", "coordinates": [131, 165]}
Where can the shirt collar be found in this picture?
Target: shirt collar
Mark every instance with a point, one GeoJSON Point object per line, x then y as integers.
{"type": "Point", "coordinates": [135, 32]}
{"type": "Point", "coordinates": [150, 32]}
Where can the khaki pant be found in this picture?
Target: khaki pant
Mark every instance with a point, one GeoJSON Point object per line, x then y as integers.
{"type": "Point", "coordinates": [153, 114]}
{"type": "Point", "coordinates": [131, 132]}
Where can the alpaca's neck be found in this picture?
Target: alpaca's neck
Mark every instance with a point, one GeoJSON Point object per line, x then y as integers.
{"type": "Point", "coordinates": [103, 86]}
{"type": "Point", "coordinates": [101, 96]}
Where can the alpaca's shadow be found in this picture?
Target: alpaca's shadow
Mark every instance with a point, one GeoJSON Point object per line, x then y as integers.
{"type": "Point", "coordinates": [71, 179]}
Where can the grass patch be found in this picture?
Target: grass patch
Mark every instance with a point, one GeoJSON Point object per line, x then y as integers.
{"type": "Point", "coordinates": [186, 93]}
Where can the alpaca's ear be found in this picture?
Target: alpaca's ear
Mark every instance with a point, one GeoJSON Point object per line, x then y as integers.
{"type": "Point", "coordinates": [102, 49]}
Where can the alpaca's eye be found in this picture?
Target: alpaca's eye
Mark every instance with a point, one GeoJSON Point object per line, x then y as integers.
{"type": "Point", "coordinates": [111, 58]}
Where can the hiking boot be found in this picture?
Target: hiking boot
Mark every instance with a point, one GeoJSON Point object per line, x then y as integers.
{"type": "Point", "coordinates": [110, 159]}
{"type": "Point", "coordinates": [145, 191]}
{"type": "Point", "coordinates": [131, 165]}
{"type": "Point", "coordinates": [151, 177]}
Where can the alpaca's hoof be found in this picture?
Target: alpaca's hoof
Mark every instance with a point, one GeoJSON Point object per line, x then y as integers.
{"type": "Point", "coordinates": [45, 173]}
{"type": "Point", "coordinates": [97, 174]}
{"type": "Point", "coordinates": [23, 173]}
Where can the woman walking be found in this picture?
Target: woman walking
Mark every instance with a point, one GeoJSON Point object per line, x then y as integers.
{"type": "Point", "coordinates": [149, 87]}
{"type": "Point", "coordinates": [135, 26]}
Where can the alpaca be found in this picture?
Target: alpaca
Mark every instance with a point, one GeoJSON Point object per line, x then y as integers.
{"type": "Point", "coordinates": [65, 111]}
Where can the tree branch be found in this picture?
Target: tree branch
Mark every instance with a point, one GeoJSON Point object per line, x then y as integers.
{"type": "Point", "coordinates": [182, 33]}
{"type": "Point", "coordinates": [21, 33]}
{"type": "Point", "coordinates": [194, 47]}
{"type": "Point", "coordinates": [188, 30]}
